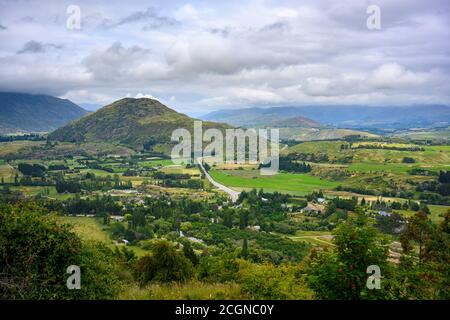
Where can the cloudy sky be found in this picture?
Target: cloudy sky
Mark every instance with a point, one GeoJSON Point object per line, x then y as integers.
{"type": "Point", "coordinates": [199, 56]}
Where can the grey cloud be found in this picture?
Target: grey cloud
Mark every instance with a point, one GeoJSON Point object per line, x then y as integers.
{"type": "Point", "coordinates": [282, 52]}
{"type": "Point", "coordinates": [224, 32]}
{"type": "Point", "coordinates": [276, 26]}
{"type": "Point", "coordinates": [28, 19]}
{"type": "Point", "coordinates": [37, 47]}
{"type": "Point", "coordinates": [2, 27]}
{"type": "Point", "coordinates": [116, 62]}
{"type": "Point", "coordinates": [150, 17]}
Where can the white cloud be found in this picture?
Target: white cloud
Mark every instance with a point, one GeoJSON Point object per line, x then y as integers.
{"type": "Point", "coordinates": [393, 75]}
{"type": "Point", "coordinates": [209, 55]}
{"type": "Point", "coordinates": [144, 95]}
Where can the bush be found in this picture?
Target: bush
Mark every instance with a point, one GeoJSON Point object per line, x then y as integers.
{"type": "Point", "coordinates": [267, 281]}
{"type": "Point", "coordinates": [165, 265]}
{"type": "Point", "coordinates": [35, 251]}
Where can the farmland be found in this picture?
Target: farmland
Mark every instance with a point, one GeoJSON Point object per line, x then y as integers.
{"type": "Point", "coordinates": [296, 184]}
{"type": "Point", "coordinates": [140, 206]}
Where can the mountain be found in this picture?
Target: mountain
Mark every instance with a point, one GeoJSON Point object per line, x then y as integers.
{"type": "Point", "coordinates": [356, 116]}
{"type": "Point", "coordinates": [296, 122]}
{"type": "Point", "coordinates": [90, 106]}
{"type": "Point", "coordinates": [22, 112]}
{"type": "Point", "coordinates": [130, 122]}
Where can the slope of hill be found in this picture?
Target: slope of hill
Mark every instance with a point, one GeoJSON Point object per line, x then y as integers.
{"type": "Point", "coordinates": [21, 112]}
{"type": "Point", "coordinates": [342, 116]}
{"type": "Point", "coordinates": [130, 122]}
{"type": "Point", "coordinates": [297, 122]}
{"type": "Point", "coordinates": [315, 134]}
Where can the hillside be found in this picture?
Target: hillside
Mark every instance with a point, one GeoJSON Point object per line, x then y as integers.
{"type": "Point", "coordinates": [313, 134]}
{"type": "Point", "coordinates": [297, 122]}
{"type": "Point", "coordinates": [129, 122]}
{"type": "Point", "coordinates": [21, 112]}
{"type": "Point", "coordinates": [356, 116]}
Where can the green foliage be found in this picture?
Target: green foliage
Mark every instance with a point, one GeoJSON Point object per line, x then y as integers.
{"type": "Point", "coordinates": [189, 253]}
{"type": "Point", "coordinates": [218, 268]}
{"type": "Point", "coordinates": [129, 122]}
{"type": "Point", "coordinates": [266, 281]}
{"type": "Point", "coordinates": [34, 170]}
{"type": "Point", "coordinates": [341, 273]}
{"type": "Point", "coordinates": [424, 275]}
{"type": "Point", "coordinates": [164, 265]}
{"type": "Point", "coordinates": [35, 252]}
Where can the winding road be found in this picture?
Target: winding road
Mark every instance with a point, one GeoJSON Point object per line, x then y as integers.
{"type": "Point", "coordinates": [234, 195]}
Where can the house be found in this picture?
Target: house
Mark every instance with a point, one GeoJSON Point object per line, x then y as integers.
{"type": "Point", "coordinates": [384, 213]}
{"type": "Point", "coordinates": [195, 240]}
{"type": "Point", "coordinates": [321, 200]}
{"type": "Point", "coordinates": [125, 241]}
{"type": "Point", "coordinates": [254, 228]}
{"type": "Point", "coordinates": [117, 218]}
{"type": "Point", "coordinates": [312, 207]}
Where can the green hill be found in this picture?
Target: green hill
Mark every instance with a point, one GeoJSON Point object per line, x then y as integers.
{"type": "Point", "coordinates": [21, 112]}
{"type": "Point", "coordinates": [130, 122]}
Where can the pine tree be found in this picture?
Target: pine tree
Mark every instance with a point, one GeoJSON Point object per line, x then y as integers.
{"type": "Point", "coordinates": [244, 252]}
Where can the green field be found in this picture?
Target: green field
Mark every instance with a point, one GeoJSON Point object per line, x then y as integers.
{"type": "Point", "coordinates": [297, 184]}
{"type": "Point", "coordinates": [437, 213]}
{"type": "Point", "coordinates": [89, 229]}
{"type": "Point", "coordinates": [436, 157]}
{"type": "Point", "coordinates": [7, 172]}
{"type": "Point", "coordinates": [8, 148]}
{"type": "Point", "coordinates": [316, 238]}
{"type": "Point", "coordinates": [156, 162]}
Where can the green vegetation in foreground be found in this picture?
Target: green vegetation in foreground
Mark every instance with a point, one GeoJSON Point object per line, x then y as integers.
{"type": "Point", "coordinates": [298, 184]}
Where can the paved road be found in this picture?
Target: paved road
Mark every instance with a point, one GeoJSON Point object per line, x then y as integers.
{"type": "Point", "coordinates": [233, 194]}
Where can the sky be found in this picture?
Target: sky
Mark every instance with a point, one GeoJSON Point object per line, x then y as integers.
{"type": "Point", "coordinates": [199, 56]}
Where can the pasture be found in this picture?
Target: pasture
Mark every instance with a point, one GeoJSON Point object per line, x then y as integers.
{"type": "Point", "coordinates": [296, 184]}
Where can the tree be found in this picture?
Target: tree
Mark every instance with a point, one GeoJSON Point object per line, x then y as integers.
{"type": "Point", "coordinates": [228, 219]}
{"type": "Point", "coordinates": [243, 220]}
{"type": "Point", "coordinates": [244, 252]}
{"type": "Point", "coordinates": [429, 276]}
{"type": "Point", "coordinates": [331, 208]}
{"type": "Point", "coordinates": [418, 231]}
{"type": "Point", "coordinates": [165, 265]}
{"type": "Point", "coordinates": [341, 273]}
{"type": "Point", "coordinates": [33, 265]}
{"type": "Point", "coordinates": [189, 253]}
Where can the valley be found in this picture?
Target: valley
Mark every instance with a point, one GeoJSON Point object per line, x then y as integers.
{"type": "Point", "coordinates": [120, 191]}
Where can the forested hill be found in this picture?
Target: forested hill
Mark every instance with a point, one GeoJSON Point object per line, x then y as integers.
{"type": "Point", "coordinates": [22, 112]}
{"type": "Point", "coordinates": [131, 122]}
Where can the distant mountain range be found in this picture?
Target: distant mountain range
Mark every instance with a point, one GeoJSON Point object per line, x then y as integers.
{"type": "Point", "coordinates": [295, 122]}
{"type": "Point", "coordinates": [339, 116]}
{"type": "Point", "coordinates": [130, 122]}
{"type": "Point", "coordinates": [21, 112]}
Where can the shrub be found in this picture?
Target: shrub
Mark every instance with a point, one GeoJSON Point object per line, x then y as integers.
{"type": "Point", "coordinates": [165, 265]}
{"type": "Point", "coordinates": [35, 251]}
